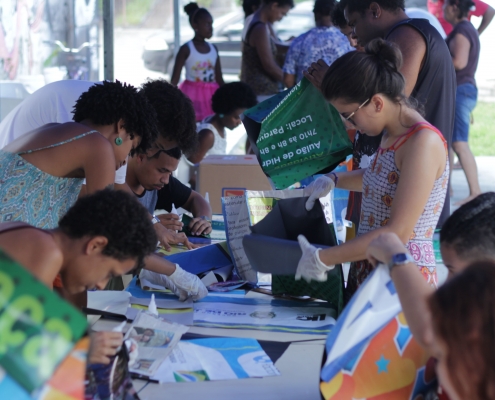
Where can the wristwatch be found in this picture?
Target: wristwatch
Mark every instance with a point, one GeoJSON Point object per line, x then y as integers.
{"type": "Point", "coordinates": [400, 259]}
{"type": "Point", "coordinates": [154, 219]}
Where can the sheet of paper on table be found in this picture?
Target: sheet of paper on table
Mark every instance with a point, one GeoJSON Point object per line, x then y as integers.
{"type": "Point", "coordinates": [163, 303]}
{"type": "Point", "coordinates": [155, 339]}
{"type": "Point", "coordinates": [215, 359]}
{"type": "Point", "coordinates": [114, 301]}
{"type": "Point", "coordinates": [307, 319]}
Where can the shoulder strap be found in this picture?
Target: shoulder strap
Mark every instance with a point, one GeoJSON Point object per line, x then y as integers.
{"type": "Point", "coordinates": [415, 128]}
{"type": "Point", "coordinates": [13, 226]}
{"type": "Point", "coordinates": [250, 29]}
{"type": "Point", "coordinates": [58, 144]}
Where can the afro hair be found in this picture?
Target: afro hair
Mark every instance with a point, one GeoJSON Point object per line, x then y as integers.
{"type": "Point", "coordinates": [116, 215]}
{"type": "Point", "coordinates": [175, 111]}
{"type": "Point", "coordinates": [109, 102]}
{"type": "Point", "coordinates": [232, 96]}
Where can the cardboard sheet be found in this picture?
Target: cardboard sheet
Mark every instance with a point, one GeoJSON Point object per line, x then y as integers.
{"type": "Point", "coordinates": [273, 248]}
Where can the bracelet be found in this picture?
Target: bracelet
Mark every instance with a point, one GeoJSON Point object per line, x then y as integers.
{"type": "Point", "coordinates": [335, 178]}
{"type": "Point", "coordinates": [154, 219]}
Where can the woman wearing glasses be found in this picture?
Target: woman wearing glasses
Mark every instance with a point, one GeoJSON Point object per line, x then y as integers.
{"type": "Point", "coordinates": [404, 186]}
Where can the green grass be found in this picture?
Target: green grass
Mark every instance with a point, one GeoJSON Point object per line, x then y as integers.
{"type": "Point", "coordinates": [136, 10]}
{"type": "Point", "coordinates": [481, 136]}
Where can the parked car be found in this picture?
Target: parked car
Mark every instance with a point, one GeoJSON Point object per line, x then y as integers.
{"type": "Point", "coordinates": [158, 53]}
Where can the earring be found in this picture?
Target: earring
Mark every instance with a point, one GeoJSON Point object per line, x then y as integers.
{"type": "Point", "coordinates": [221, 115]}
{"type": "Point", "coordinates": [118, 141]}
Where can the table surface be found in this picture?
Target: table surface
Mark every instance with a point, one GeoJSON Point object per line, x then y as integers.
{"type": "Point", "coordinates": [299, 368]}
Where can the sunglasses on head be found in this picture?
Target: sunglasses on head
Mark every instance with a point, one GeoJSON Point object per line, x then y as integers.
{"type": "Point", "coordinates": [174, 152]}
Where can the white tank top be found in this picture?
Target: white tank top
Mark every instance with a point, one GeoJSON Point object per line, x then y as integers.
{"type": "Point", "coordinates": [201, 67]}
{"type": "Point", "coordinates": [220, 143]}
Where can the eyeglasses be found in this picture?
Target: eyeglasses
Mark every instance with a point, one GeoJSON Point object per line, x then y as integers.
{"type": "Point", "coordinates": [174, 152]}
{"type": "Point", "coordinates": [348, 118]}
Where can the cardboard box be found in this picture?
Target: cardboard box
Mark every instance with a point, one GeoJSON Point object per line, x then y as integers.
{"type": "Point", "coordinates": [233, 173]}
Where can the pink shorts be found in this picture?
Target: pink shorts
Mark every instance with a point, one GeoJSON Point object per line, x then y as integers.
{"type": "Point", "coordinates": [200, 94]}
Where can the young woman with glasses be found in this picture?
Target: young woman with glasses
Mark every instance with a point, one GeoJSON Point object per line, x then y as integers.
{"type": "Point", "coordinates": [404, 186]}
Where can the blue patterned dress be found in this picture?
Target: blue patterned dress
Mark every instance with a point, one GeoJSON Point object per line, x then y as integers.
{"type": "Point", "coordinates": [324, 42]}
{"type": "Point", "coordinates": [30, 195]}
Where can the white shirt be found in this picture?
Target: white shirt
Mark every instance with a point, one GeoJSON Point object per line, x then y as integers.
{"type": "Point", "coordinates": [220, 143]}
{"type": "Point", "coordinates": [52, 103]}
{"type": "Point", "coordinates": [419, 13]}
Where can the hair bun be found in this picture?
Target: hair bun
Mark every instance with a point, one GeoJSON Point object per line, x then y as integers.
{"type": "Point", "coordinates": [386, 52]}
{"type": "Point", "coordinates": [191, 8]}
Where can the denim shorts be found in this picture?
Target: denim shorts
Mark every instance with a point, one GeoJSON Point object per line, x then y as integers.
{"type": "Point", "coordinates": [466, 98]}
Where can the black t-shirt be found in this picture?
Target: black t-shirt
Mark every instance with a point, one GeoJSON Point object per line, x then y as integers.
{"type": "Point", "coordinates": [436, 86]}
{"type": "Point", "coordinates": [174, 193]}
{"type": "Point", "coordinates": [466, 29]}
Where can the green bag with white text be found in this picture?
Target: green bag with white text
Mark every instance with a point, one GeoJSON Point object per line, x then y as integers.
{"type": "Point", "coordinates": [302, 135]}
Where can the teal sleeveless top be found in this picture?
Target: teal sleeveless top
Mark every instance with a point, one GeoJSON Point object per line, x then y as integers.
{"type": "Point", "coordinates": [31, 195]}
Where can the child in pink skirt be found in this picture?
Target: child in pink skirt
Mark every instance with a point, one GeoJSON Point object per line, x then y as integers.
{"type": "Point", "coordinates": [203, 70]}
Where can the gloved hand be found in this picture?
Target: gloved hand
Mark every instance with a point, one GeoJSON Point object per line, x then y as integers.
{"type": "Point", "coordinates": [317, 189]}
{"type": "Point", "coordinates": [184, 284]}
{"type": "Point", "coordinates": [310, 266]}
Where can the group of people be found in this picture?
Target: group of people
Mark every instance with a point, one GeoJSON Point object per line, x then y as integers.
{"type": "Point", "coordinates": [79, 192]}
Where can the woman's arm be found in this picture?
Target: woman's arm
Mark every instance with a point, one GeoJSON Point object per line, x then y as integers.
{"type": "Point", "coordinates": [351, 180]}
{"type": "Point", "coordinates": [180, 60]}
{"type": "Point", "coordinates": [422, 160]}
{"type": "Point", "coordinates": [260, 39]}
{"type": "Point", "coordinates": [487, 18]}
{"type": "Point", "coordinates": [411, 287]}
{"type": "Point", "coordinates": [289, 80]}
{"type": "Point", "coordinates": [206, 140]}
{"type": "Point", "coordinates": [459, 49]}
{"type": "Point", "coordinates": [98, 163]}
{"type": "Point", "coordinates": [218, 70]}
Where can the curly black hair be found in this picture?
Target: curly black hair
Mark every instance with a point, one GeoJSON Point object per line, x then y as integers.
{"type": "Point", "coordinates": [338, 16]}
{"type": "Point", "coordinates": [175, 112]}
{"type": "Point", "coordinates": [470, 230]}
{"type": "Point", "coordinates": [231, 96]}
{"type": "Point", "coordinates": [108, 102]}
{"type": "Point", "coordinates": [195, 12]}
{"type": "Point", "coordinates": [324, 7]}
{"type": "Point", "coordinates": [116, 215]}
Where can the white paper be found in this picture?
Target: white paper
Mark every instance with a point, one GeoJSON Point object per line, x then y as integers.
{"type": "Point", "coordinates": [155, 338]}
{"type": "Point", "coordinates": [237, 226]}
{"type": "Point", "coordinates": [114, 301]}
{"type": "Point", "coordinates": [209, 279]}
{"type": "Point", "coordinates": [229, 314]}
{"type": "Point", "coordinates": [190, 361]}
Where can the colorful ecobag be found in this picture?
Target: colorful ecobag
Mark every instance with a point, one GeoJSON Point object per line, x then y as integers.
{"type": "Point", "coordinates": [300, 136]}
{"type": "Point", "coordinates": [38, 330]}
{"type": "Point", "coordinates": [371, 353]}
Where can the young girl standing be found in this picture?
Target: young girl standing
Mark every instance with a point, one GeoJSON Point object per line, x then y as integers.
{"type": "Point", "coordinates": [203, 70]}
{"type": "Point", "coordinates": [404, 186]}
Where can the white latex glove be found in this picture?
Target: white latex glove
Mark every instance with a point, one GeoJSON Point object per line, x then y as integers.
{"type": "Point", "coordinates": [317, 189]}
{"type": "Point", "coordinates": [184, 284]}
{"type": "Point", "coordinates": [310, 266]}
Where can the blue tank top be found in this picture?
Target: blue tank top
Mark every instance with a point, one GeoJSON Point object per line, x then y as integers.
{"type": "Point", "coordinates": [31, 195]}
